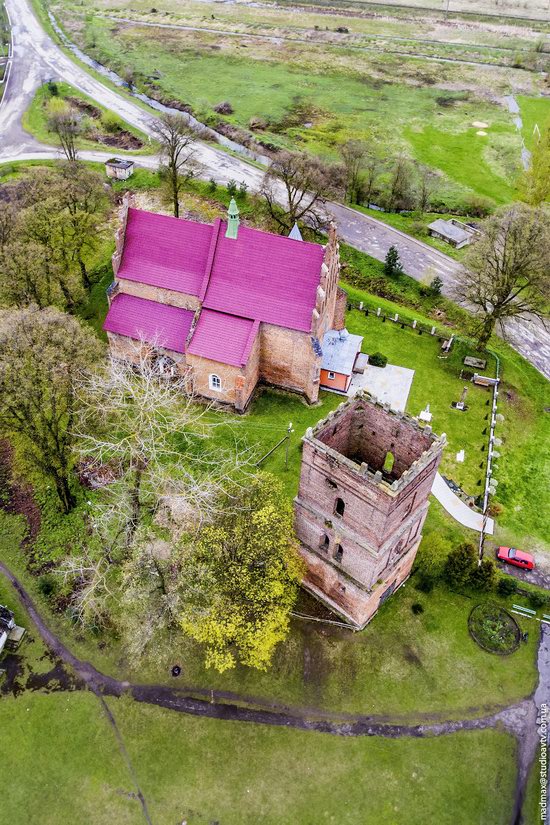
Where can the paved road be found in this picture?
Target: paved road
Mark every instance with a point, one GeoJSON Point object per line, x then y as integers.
{"type": "Point", "coordinates": [37, 58]}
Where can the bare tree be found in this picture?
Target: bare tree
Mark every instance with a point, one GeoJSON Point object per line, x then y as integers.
{"type": "Point", "coordinates": [148, 426]}
{"type": "Point", "coordinates": [373, 164]}
{"type": "Point", "coordinates": [295, 186]}
{"type": "Point", "coordinates": [41, 353]}
{"type": "Point", "coordinates": [400, 184]}
{"type": "Point", "coordinates": [507, 272]}
{"type": "Point", "coordinates": [65, 122]}
{"type": "Point", "coordinates": [426, 187]}
{"type": "Point", "coordinates": [178, 153]}
{"type": "Point", "coordinates": [354, 155]}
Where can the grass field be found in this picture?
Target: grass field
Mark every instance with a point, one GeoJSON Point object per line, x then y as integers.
{"type": "Point", "coordinates": [534, 112]}
{"type": "Point", "coordinates": [64, 757]}
{"type": "Point", "coordinates": [315, 98]}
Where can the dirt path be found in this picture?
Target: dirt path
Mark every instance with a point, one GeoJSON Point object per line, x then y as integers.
{"type": "Point", "coordinates": [519, 719]}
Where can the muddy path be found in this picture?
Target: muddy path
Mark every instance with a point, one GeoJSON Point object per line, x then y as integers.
{"type": "Point", "coordinates": [518, 719]}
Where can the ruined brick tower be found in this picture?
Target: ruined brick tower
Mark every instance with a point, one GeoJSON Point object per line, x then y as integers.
{"type": "Point", "coordinates": [367, 472]}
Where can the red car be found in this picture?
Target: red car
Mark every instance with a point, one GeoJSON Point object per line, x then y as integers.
{"type": "Point", "coordinates": [516, 557]}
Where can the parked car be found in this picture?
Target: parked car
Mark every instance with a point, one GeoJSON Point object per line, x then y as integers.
{"type": "Point", "coordinates": [516, 557]}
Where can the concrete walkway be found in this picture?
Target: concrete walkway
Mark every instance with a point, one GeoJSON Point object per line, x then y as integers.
{"type": "Point", "coordinates": [391, 385]}
{"type": "Point", "coordinates": [458, 509]}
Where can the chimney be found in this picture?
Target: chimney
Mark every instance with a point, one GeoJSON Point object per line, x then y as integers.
{"type": "Point", "coordinates": [232, 220]}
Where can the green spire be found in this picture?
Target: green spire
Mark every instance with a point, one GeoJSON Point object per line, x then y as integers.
{"type": "Point", "coordinates": [232, 220]}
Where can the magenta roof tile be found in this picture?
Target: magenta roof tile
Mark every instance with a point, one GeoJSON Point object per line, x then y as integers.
{"type": "Point", "coordinates": [258, 275]}
{"type": "Point", "coordinates": [164, 251]}
{"type": "Point", "coordinates": [224, 338]}
{"type": "Point", "coordinates": [266, 277]}
{"type": "Point", "coordinates": [139, 318]}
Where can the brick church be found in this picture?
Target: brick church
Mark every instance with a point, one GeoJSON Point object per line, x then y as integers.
{"type": "Point", "coordinates": [227, 305]}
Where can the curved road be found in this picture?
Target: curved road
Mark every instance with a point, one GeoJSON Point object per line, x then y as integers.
{"type": "Point", "coordinates": [36, 58]}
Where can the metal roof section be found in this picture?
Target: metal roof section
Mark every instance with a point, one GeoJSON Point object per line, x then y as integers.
{"type": "Point", "coordinates": [340, 350]}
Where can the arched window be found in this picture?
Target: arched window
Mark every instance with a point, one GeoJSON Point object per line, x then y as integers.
{"type": "Point", "coordinates": [339, 552]}
{"type": "Point", "coordinates": [339, 507]}
{"type": "Point", "coordinates": [324, 542]}
{"type": "Point", "coordinates": [214, 382]}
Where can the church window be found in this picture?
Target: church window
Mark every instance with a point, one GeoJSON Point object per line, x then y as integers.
{"type": "Point", "coordinates": [324, 543]}
{"type": "Point", "coordinates": [339, 553]}
{"type": "Point", "coordinates": [339, 507]}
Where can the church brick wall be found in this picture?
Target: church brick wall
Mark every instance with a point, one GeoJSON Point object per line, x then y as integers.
{"type": "Point", "coordinates": [158, 294]}
{"type": "Point", "coordinates": [287, 360]}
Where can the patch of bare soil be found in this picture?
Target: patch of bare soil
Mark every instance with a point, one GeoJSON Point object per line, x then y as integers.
{"type": "Point", "coordinates": [120, 140]}
{"type": "Point", "coordinates": [16, 496]}
{"type": "Point", "coordinates": [94, 476]}
{"type": "Point", "coordinates": [84, 107]}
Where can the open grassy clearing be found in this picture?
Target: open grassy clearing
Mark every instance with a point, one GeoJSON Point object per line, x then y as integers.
{"type": "Point", "coordinates": [379, 27]}
{"type": "Point", "coordinates": [64, 758]}
{"type": "Point", "coordinates": [317, 99]}
{"type": "Point", "coordinates": [534, 112]}
{"type": "Point", "coordinates": [100, 128]}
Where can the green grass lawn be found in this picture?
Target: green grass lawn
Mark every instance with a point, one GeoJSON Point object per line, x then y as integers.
{"type": "Point", "coordinates": [65, 765]}
{"type": "Point", "coordinates": [401, 666]}
{"type": "Point", "coordinates": [465, 157]}
{"type": "Point", "coordinates": [35, 121]}
{"type": "Point", "coordinates": [535, 111]}
{"type": "Point", "coordinates": [338, 96]}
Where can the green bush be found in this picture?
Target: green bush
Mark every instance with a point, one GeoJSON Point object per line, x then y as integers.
{"type": "Point", "coordinates": [48, 584]}
{"type": "Point", "coordinates": [537, 600]}
{"type": "Point", "coordinates": [483, 577]}
{"type": "Point", "coordinates": [506, 586]}
{"type": "Point", "coordinates": [460, 565]}
{"type": "Point", "coordinates": [111, 122]}
{"type": "Point", "coordinates": [377, 359]}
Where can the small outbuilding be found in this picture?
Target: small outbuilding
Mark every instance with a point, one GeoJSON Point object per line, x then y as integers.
{"type": "Point", "coordinates": [10, 633]}
{"type": "Point", "coordinates": [340, 353]}
{"type": "Point", "coordinates": [119, 169]}
{"type": "Point", "coordinates": [453, 232]}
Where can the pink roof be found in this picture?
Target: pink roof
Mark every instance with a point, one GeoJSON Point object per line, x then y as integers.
{"type": "Point", "coordinates": [139, 318]}
{"type": "Point", "coordinates": [223, 338]}
{"type": "Point", "coordinates": [164, 251]}
{"type": "Point", "coordinates": [258, 275]}
{"type": "Point", "coordinates": [267, 277]}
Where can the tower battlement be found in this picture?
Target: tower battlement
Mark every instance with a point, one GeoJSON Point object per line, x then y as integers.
{"type": "Point", "coordinates": [367, 472]}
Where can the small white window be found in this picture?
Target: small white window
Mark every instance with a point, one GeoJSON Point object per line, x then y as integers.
{"type": "Point", "coordinates": [331, 376]}
{"type": "Point", "coordinates": [215, 382]}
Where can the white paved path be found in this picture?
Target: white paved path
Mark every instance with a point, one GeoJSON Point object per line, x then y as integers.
{"type": "Point", "coordinates": [390, 384]}
{"type": "Point", "coordinates": [458, 509]}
